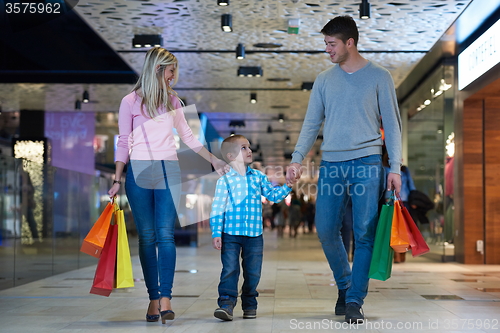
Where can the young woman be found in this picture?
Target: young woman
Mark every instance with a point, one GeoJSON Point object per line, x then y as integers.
{"type": "Point", "coordinates": [146, 142]}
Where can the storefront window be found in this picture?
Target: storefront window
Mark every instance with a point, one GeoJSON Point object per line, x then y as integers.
{"type": "Point", "coordinates": [428, 114]}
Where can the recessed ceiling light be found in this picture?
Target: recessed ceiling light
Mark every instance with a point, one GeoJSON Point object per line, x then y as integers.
{"type": "Point", "coordinates": [250, 71]}
{"type": "Point", "coordinates": [147, 40]}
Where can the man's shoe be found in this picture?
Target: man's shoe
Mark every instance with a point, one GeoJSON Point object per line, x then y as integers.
{"type": "Point", "coordinates": [340, 306]}
{"type": "Point", "coordinates": [225, 312]}
{"type": "Point", "coordinates": [250, 314]}
{"type": "Point", "coordinates": [353, 313]}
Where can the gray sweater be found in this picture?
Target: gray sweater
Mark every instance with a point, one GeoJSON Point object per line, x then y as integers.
{"type": "Point", "coordinates": [352, 107]}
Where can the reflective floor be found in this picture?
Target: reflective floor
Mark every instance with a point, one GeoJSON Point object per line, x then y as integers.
{"type": "Point", "coordinates": [296, 294]}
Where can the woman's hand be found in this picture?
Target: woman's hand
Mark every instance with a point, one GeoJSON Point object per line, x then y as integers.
{"type": "Point", "coordinates": [220, 166]}
{"type": "Point", "coordinates": [113, 190]}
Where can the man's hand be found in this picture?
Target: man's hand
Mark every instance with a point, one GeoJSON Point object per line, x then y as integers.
{"type": "Point", "coordinates": [217, 243]}
{"type": "Point", "coordinates": [294, 172]}
{"type": "Point", "coordinates": [394, 183]}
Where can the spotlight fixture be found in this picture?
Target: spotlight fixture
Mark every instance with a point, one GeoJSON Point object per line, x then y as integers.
{"type": "Point", "coordinates": [78, 105]}
{"type": "Point", "coordinates": [250, 71]}
{"type": "Point", "coordinates": [223, 2]}
{"type": "Point", "coordinates": [364, 10]}
{"type": "Point", "coordinates": [269, 129]}
{"type": "Point", "coordinates": [232, 133]}
{"type": "Point", "coordinates": [240, 51]}
{"type": "Point", "coordinates": [287, 139]}
{"type": "Point", "coordinates": [253, 98]}
{"type": "Point", "coordinates": [307, 86]}
{"type": "Point", "coordinates": [281, 117]}
{"type": "Point", "coordinates": [147, 40]}
{"type": "Point", "coordinates": [85, 98]}
{"type": "Point", "coordinates": [226, 23]}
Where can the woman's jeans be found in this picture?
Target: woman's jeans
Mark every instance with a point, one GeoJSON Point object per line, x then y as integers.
{"type": "Point", "coordinates": [363, 180]}
{"type": "Point", "coordinates": [152, 189]}
{"type": "Point", "coordinates": [251, 249]}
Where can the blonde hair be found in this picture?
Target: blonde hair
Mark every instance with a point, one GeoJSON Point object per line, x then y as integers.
{"type": "Point", "coordinates": [155, 92]}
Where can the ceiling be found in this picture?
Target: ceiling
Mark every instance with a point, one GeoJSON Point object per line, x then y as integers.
{"type": "Point", "coordinates": [397, 36]}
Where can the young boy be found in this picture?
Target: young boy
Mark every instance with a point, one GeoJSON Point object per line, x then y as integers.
{"type": "Point", "coordinates": [236, 223]}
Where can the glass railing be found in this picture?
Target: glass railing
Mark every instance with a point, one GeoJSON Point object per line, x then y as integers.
{"type": "Point", "coordinates": [45, 213]}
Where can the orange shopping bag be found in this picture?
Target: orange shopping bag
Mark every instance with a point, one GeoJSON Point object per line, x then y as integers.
{"type": "Point", "coordinates": [400, 240]}
{"type": "Point", "coordinates": [94, 241]}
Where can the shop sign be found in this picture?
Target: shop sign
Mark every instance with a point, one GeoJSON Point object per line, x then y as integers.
{"type": "Point", "coordinates": [479, 57]}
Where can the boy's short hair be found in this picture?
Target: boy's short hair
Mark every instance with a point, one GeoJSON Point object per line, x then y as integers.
{"type": "Point", "coordinates": [342, 27]}
{"type": "Point", "coordinates": [229, 146]}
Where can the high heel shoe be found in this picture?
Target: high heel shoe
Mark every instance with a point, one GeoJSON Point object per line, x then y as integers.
{"type": "Point", "coordinates": [166, 315]}
{"type": "Point", "coordinates": [152, 318]}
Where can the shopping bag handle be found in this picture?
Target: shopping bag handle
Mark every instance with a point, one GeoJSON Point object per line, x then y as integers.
{"type": "Point", "coordinates": [392, 197]}
{"type": "Point", "coordinates": [113, 200]}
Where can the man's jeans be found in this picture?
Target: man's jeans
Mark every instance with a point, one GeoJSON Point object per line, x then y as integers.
{"type": "Point", "coordinates": [363, 180]}
{"type": "Point", "coordinates": [251, 249]}
{"type": "Point", "coordinates": [148, 188]}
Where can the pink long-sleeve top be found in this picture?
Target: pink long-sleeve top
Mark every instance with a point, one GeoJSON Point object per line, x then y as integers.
{"type": "Point", "coordinates": [143, 138]}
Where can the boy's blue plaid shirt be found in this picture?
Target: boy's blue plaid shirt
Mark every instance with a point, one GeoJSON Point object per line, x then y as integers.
{"type": "Point", "coordinates": [241, 210]}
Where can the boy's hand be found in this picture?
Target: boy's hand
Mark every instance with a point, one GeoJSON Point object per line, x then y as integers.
{"type": "Point", "coordinates": [293, 173]}
{"type": "Point", "coordinates": [217, 243]}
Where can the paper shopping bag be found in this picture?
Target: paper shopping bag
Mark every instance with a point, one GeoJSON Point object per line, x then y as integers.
{"type": "Point", "coordinates": [124, 275]}
{"type": "Point", "coordinates": [381, 263]}
{"type": "Point", "coordinates": [105, 273]}
{"type": "Point", "coordinates": [94, 241]}
{"type": "Point", "coordinates": [417, 242]}
{"type": "Point", "coordinates": [400, 241]}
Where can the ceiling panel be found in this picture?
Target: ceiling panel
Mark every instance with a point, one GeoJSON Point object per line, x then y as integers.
{"type": "Point", "coordinates": [397, 37]}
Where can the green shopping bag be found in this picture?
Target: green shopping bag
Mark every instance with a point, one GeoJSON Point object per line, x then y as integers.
{"type": "Point", "coordinates": [383, 254]}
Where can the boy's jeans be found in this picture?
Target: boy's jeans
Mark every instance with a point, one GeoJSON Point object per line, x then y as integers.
{"type": "Point", "coordinates": [151, 191]}
{"type": "Point", "coordinates": [251, 249]}
{"type": "Point", "coordinates": [363, 179]}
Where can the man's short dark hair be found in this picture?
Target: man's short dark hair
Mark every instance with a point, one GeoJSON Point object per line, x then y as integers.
{"type": "Point", "coordinates": [342, 27]}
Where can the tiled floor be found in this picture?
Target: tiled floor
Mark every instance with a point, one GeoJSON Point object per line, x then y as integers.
{"type": "Point", "coordinates": [297, 294]}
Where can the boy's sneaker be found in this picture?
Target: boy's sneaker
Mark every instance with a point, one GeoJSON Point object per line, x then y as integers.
{"type": "Point", "coordinates": [340, 306]}
{"type": "Point", "coordinates": [250, 314]}
{"type": "Point", "coordinates": [225, 312]}
{"type": "Point", "coordinates": [353, 313]}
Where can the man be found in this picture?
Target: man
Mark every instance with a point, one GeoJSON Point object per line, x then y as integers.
{"type": "Point", "coordinates": [352, 98]}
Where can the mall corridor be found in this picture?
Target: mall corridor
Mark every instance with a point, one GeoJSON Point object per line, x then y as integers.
{"type": "Point", "coordinates": [297, 294]}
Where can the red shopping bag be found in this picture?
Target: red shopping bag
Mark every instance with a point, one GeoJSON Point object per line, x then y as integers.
{"type": "Point", "coordinates": [417, 242]}
{"type": "Point", "coordinates": [104, 278]}
{"type": "Point", "coordinates": [400, 239]}
{"type": "Point", "coordinates": [94, 241]}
